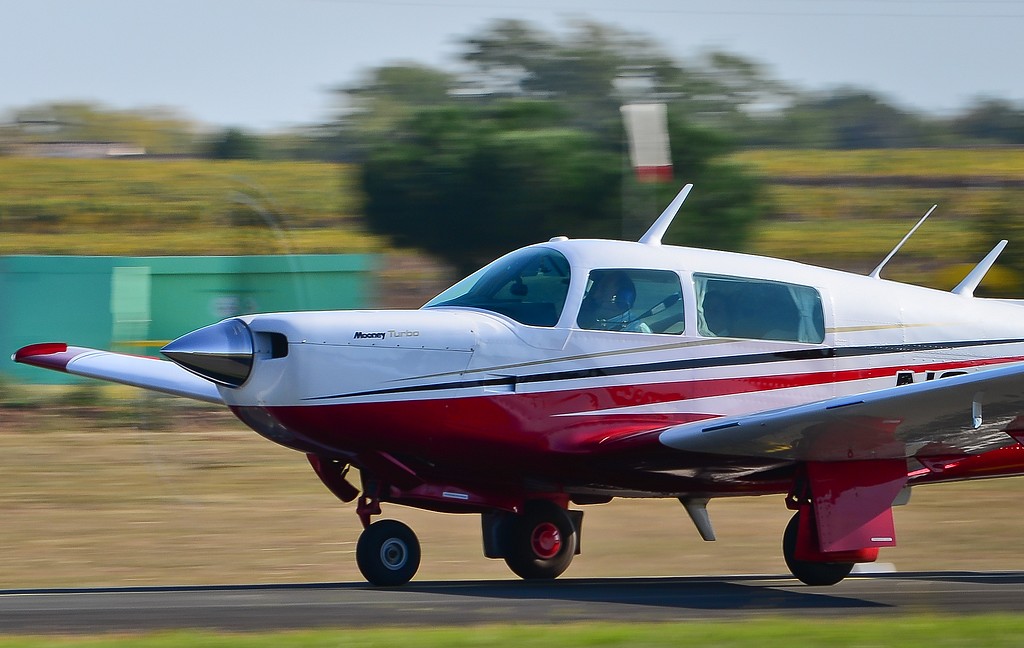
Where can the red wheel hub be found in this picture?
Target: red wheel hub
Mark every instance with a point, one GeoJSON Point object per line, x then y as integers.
{"type": "Point", "coordinates": [546, 540]}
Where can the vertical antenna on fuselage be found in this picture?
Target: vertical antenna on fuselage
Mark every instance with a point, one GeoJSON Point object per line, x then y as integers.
{"type": "Point", "coordinates": [971, 281]}
{"type": "Point", "coordinates": [875, 273]}
{"type": "Point", "coordinates": [654, 234]}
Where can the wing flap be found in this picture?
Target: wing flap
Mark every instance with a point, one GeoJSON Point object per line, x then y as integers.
{"type": "Point", "coordinates": [959, 415]}
{"type": "Point", "coordinates": [137, 371]}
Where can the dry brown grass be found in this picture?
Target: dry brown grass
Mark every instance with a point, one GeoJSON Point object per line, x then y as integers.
{"type": "Point", "coordinates": [155, 493]}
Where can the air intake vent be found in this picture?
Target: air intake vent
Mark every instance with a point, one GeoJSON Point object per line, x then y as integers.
{"type": "Point", "coordinates": [278, 345]}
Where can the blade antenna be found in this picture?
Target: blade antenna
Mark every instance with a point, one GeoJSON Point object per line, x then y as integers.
{"type": "Point", "coordinates": [653, 235]}
{"type": "Point", "coordinates": [874, 273]}
{"type": "Point", "coordinates": [971, 281]}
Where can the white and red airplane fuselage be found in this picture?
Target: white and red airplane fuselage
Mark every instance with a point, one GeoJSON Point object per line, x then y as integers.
{"type": "Point", "coordinates": [708, 374]}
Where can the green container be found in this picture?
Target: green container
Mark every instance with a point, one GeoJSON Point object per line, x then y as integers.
{"type": "Point", "coordinates": [138, 304]}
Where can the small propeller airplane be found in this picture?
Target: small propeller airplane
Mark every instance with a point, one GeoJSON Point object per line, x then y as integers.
{"type": "Point", "coordinates": [572, 372]}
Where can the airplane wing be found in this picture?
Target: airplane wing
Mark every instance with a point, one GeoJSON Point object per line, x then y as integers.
{"type": "Point", "coordinates": [137, 371]}
{"type": "Point", "coordinates": [967, 414]}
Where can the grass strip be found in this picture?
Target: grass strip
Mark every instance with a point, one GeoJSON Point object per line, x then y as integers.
{"type": "Point", "coordinates": [979, 631]}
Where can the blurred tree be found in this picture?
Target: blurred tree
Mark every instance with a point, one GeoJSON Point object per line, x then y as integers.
{"type": "Point", "coordinates": [848, 118]}
{"type": "Point", "coordinates": [385, 96]}
{"type": "Point", "coordinates": [991, 120]}
{"type": "Point", "coordinates": [727, 91]}
{"type": "Point", "coordinates": [595, 68]}
{"type": "Point", "coordinates": [513, 59]}
{"type": "Point", "coordinates": [864, 120]}
{"type": "Point", "coordinates": [528, 142]}
{"type": "Point", "coordinates": [590, 69]}
{"type": "Point", "coordinates": [234, 144]}
{"type": "Point", "coordinates": [469, 183]}
{"type": "Point", "coordinates": [389, 94]}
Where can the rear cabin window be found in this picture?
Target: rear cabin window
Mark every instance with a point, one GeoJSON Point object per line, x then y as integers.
{"type": "Point", "coordinates": [528, 285]}
{"type": "Point", "coordinates": [632, 301]}
{"type": "Point", "coordinates": [757, 309]}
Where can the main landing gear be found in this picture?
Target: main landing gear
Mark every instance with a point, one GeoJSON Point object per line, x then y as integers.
{"type": "Point", "coordinates": [537, 544]}
{"type": "Point", "coordinates": [540, 543]}
{"type": "Point", "coordinates": [810, 572]}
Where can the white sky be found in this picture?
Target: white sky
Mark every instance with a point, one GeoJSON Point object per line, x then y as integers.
{"type": "Point", "coordinates": [269, 64]}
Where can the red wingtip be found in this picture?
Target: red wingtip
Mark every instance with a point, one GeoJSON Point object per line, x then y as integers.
{"type": "Point", "coordinates": [42, 355]}
{"type": "Point", "coordinates": [46, 348]}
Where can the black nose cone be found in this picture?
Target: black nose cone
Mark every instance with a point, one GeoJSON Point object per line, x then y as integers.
{"type": "Point", "coordinates": [222, 352]}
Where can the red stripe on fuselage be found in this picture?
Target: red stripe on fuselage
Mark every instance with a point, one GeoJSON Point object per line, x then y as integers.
{"type": "Point", "coordinates": [542, 421]}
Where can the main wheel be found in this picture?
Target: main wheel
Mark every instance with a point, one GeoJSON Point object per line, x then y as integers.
{"type": "Point", "coordinates": [810, 573]}
{"type": "Point", "coordinates": [540, 543]}
{"type": "Point", "coordinates": [388, 553]}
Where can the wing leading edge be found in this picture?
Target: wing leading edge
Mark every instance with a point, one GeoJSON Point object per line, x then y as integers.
{"type": "Point", "coordinates": [137, 371]}
{"type": "Point", "coordinates": [959, 415]}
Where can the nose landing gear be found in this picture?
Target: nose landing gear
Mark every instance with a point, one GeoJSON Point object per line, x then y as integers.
{"type": "Point", "coordinates": [388, 553]}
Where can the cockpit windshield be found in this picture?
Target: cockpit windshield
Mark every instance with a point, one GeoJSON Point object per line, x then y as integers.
{"type": "Point", "coordinates": [528, 285]}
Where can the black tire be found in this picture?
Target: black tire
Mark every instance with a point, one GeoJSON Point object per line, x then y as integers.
{"type": "Point", "coordinates": [388, 553]}
{"type": "Point", "coordinates": [540, 543]}
{"type": "Point", "coordinates": [810, 573]}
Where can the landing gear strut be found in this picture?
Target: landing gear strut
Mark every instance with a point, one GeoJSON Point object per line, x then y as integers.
{"type": "Point", "coordinates": [808, 572]}
{"type": "Point", "coordinates": [388, 552]}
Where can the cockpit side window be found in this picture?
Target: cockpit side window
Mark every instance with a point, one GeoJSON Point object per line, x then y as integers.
{"type": "Point", "coordinates": [758, 309]}
{"type": "Point", "coordinates": [529, 286]}
{"type": "Point", "coordinates": [632, 301]}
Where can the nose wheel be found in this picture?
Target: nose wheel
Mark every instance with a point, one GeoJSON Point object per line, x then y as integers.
{"type": "Point", "coordinates": [388, 553]}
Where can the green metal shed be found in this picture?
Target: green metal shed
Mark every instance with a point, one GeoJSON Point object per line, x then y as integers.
{"type": "Point", "coordinates": [137, 304]}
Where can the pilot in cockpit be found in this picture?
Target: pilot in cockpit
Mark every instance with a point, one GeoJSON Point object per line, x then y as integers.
{"type": "Point", "coordinates": [608, 302]}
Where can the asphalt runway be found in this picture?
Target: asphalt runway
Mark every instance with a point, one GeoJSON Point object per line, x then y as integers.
{"type": "Point", "coordinates": [295, 606]}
